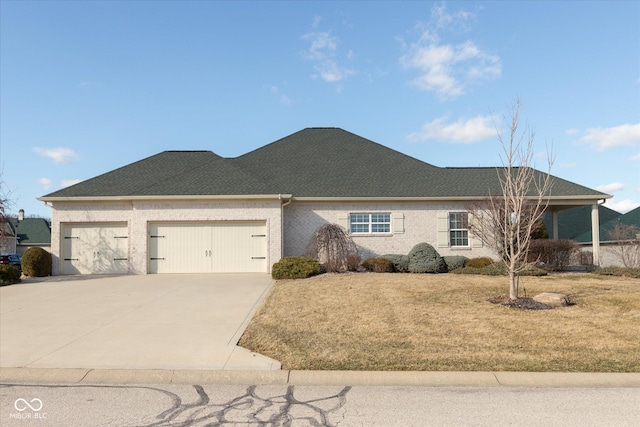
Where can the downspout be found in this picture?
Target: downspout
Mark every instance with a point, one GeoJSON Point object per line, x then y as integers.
{"type": "Point", "coordinates": [282, 205]}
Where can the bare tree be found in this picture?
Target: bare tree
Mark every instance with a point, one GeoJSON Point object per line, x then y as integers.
{"type": "Point", "coordinates": [627, 246]}
{"type": "Point", "coordinates": [5, 204]}
{"type": "Point", "coordinates": [332, 246]}
{"type": "Point", "coordinates": [506, 221]}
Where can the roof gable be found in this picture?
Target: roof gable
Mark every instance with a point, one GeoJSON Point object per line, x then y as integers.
{"type": "Point", "coordinates": [331, 162]}
{"type": "Point", "coordinates": [33, 231]}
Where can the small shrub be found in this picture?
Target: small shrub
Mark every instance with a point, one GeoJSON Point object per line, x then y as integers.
{"type": "Point", "coordinates": [479, 262]}
{"type": "Point", "coordinates": [400, 262]}
{"type": "Point", "coordinates": [619, 271]}
{"type": "Point", "coordinates": [353, 262]}
{"type": "Point", "coordinates": [553, 255]}
{"type": "Point", "coordinates": [9, 274]}
{"type": "Point", "coordinates": [423, 258]}
{"type": "Point", "coordinates": [378, 265]}
{"type": "Point", "coordinates": [295, 268]}
{"type": "Point", "coordinates": [455, 261]}
{"type": "Point", "coordinates": [36, 262]}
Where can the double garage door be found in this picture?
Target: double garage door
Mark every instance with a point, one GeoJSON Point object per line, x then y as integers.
{"type": "Point", "coordinates": [194, 247]}
{"type": "Point", "coordinates": [216, 247]}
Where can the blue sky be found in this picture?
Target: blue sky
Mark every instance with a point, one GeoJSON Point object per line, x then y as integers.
{"type": "Point", "coordinates": [89, 86]}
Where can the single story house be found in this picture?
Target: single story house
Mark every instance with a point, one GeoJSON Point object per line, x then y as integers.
{"type": "Point", "coordinates": [194, 211]}
{"type": "Point", "coordinates": [31, 232]}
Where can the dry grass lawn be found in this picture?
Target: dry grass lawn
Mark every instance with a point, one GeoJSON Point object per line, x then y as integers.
{"type": "Point", "coordinates": [443, 322]}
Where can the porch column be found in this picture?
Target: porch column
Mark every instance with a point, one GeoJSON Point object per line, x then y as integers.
{"type": "Point", "coordinates": [554, 219]}
{"type": "Point", "coordinates": [595, 234]}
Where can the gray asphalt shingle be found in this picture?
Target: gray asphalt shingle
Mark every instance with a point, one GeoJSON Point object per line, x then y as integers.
{"type": "Point", "coordinates": [314, 162]}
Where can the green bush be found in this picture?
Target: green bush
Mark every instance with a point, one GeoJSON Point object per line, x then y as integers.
{"type": "Point", "coordinates": [400, 262]}
{"type": "Point", "coordinates": [295, 268]}
{"type": "Point", "coordinates": [423, 258]}
{"type": "Point", "coordinates": [36, 262]}
{"type": "Point", "coordinates": [378, 265]}
{"type": "Point", "coordinates": [479, 262]}
{"type": "Point", "coordinates": [455, 261]}
{"type": "Point", "coordinates": [619, 271]}
{"type": "Point", "coordinates": [9, 274]}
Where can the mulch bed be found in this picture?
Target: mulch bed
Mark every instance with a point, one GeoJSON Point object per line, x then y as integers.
{"type": "Point", "coordinates": [521, 303]}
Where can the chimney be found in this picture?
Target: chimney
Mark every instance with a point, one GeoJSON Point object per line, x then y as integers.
{"type": "Point", "coordinates": [20, 214]}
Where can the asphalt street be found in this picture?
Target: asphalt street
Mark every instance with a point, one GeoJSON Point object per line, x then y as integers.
{"type": "Point", "coordinates": [294, 405]}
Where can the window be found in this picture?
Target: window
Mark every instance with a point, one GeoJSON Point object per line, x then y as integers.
{"type": "Point", "coordinates": [459, 229]}
{"type": "Point", "coordinates": [370, 223]}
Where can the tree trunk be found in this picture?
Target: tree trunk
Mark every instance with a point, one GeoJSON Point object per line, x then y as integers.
{"type": "Point", "coordinates": [513, 289]}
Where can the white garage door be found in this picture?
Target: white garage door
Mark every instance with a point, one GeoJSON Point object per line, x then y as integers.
{"type": "Point", "coordinates": [209, 247]}
{"type": "Point", "coordinates": [95, 248]}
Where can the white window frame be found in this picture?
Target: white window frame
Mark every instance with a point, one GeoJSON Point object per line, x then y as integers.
{"type": "Point", "coordinates": [458, 233]}
{"type": "Point", "coordinates": [371, 221]}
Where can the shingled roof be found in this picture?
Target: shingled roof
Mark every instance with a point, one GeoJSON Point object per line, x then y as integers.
{"type": "Point", "coordinates": [314, 163]}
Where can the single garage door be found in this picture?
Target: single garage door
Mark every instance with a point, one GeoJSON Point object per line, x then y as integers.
{"type": "Point", "coordinates": [208, 247]}
{"type": "Point", "coordinates": [95, 248]}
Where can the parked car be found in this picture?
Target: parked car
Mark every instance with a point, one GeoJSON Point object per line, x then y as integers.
{"type": "Point", "coordinates": [11, 259]}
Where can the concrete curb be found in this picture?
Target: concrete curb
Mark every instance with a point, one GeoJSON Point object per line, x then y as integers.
{"type": "Point", "coordinates": [279, 377]}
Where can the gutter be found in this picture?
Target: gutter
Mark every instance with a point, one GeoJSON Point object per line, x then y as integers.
{"type": "Point", "coordinates": [152, 198]}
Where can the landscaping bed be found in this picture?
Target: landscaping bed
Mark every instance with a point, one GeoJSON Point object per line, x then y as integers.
{"type": "Point", "coordinates": [446, 322]}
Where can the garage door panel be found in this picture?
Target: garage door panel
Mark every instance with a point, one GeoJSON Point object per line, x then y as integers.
{"type": "Point", "coordinates": [179, 248]}
{"type": "Point", "coordinates": [95, 249]}
{"type": "Point", "coordinates": [217, 247]}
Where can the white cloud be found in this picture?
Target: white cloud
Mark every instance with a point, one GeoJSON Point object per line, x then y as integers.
{"type": "Point", "coordinates": [603, 138]}
{"type": "Point", "coordinates": [444, 19]}
{"type": "Point", "coordinates": [447, 69]}
{"type": "Point", "coordinates": [636, 157]}
{"type": "Point", "coordinates": [572, 131]}
{"type": "Point", "coordinates": [610, 188]}
{"type": "Point", "coordinates": [460, 131]}
{"type": "Point", "coordinates": [45, 183]}
{"type": "Point", "coordinates": [622, 206]}
{"type": "Point", "coordinates": [58, 155]}
{"type": "Point", "coordinates": [323, 51]}
{"type": "Point", "coordinates": [69, 182]}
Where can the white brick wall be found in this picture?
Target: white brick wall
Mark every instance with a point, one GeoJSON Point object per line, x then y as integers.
{"type": "Point", "coordinates": [138, 214]}
{"type": "Point", "coordinates": [301, 219]}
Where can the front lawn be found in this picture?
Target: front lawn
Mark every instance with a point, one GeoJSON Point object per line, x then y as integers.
{"type": "Point", "coordinates": [444, 322]}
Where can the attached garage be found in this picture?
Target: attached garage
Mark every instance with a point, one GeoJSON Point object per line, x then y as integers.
{"type": "Point", "coordinates": [95, 248]}
{"type": "Point", "coordinates": [208, 247]}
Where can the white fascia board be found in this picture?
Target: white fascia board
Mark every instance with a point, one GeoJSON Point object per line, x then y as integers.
{"type": "Point", "coordinates": [165, 198]}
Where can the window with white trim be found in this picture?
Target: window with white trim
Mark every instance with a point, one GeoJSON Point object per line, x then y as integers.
{"type": "Point", "coordinates": [370, 223]}
{"type": "Point", "coordinates": [458, 229]}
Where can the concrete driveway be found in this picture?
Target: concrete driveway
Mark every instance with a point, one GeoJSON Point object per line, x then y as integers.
{"type": "Point", "coordinates": [172, 321]}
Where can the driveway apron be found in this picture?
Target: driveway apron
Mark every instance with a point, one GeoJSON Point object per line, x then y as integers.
{"type": "Point", "coordinates": [168, 321]}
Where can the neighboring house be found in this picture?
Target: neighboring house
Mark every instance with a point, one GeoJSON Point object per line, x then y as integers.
{"type": "Point", "coordinates": [194, 211]}
{"type": "Point", "coordinates": [609, 251]}
{"type": "Point", "coordinates": [31, 232]}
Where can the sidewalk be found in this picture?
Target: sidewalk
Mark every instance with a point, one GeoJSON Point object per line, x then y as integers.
{"type": "Point", "coordinates": [280, 377]}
